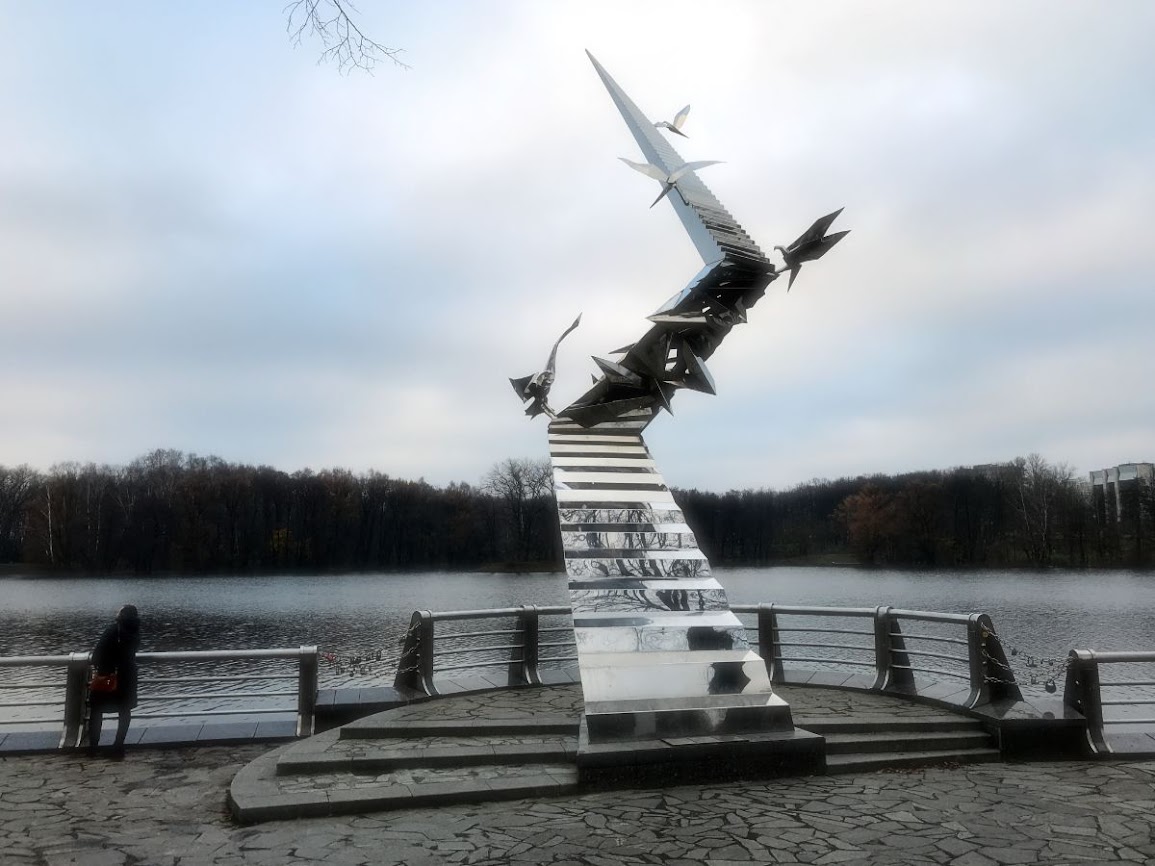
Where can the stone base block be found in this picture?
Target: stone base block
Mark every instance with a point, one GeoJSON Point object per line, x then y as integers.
{"type": "Point", "coordinates": [676, 760]}
{"type": "Point", "coordinates": [658, 718]}
{"type": "Point", "coordinates": [1036, 729]}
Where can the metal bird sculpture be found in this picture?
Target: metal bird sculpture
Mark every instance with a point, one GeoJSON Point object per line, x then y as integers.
{"type": "Point", "coordinates": [670, 180]}
{"type": "Point", "coordinates": [676, 125]}
{"type": "Point", "coordinates": [536, 387]}
{"type": "Point", "coordinates": [813, 244]}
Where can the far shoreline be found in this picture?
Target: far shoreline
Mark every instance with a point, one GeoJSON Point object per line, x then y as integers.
{"type": "Point", "coordinates": [25, 571]}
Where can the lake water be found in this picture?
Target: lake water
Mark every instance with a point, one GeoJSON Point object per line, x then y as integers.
{"type": "Point", "coordinates": [1041, 614]}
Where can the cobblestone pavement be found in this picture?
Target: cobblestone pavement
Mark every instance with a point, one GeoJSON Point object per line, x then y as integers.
{"type": "Point", "coordinates": [167, 808]}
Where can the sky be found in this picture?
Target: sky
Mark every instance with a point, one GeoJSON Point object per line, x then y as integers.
{"type": "Point", "coordinates": [209, 242]}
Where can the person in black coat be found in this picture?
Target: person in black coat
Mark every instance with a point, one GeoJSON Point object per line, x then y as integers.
{"type": "Point", "coordinates": [115, 653]}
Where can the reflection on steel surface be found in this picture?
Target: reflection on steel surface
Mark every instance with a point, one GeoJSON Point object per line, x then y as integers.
{"type": "Point", "coordinates": [585, 601]}
{"type": "Point", "coordinates": [652, 638]}
{"type": "Point", "coordinates": [659, 649]}
{"type": "Point", "coordinates": [630, 541]}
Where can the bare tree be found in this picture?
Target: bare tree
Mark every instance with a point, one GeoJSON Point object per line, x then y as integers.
{"type": "Point", "coordinates": [17, 486]}
{"type": "Point", "coordinates": [1038, 494]}
{"type": "Point", "coordinates": [525, 487]}
{"type": "Point", "coordinates": [344, 43]}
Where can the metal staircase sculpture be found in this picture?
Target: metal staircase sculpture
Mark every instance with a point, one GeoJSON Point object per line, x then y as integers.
{"type": "Point", "coordinates": [662, 657]}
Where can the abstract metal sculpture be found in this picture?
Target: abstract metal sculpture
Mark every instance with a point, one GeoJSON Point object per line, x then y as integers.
{"type": "Point", "coordinates": [661, 655]}
{"type": "Point", "coordinates": [536, 387]}
{"type": "Point", "coordinates": [813, 244]}
{"type": "Point", "coordinates": [676, 126]}
{"type": "Point", "coordinates": [669, 179]}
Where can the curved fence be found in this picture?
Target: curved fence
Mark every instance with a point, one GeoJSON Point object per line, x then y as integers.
{"type": "Point", "coordinates": [525, 640]}
{"type": "Point", "coordinates": [956, 658]}
{"type": "Point", "coordinates": [950, 658]}
{"type": "Point", "coordinates": [905, 651]}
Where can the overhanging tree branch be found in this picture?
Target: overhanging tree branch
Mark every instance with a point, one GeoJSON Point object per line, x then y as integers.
{"type": "Point", "coordinates": [344, 43]}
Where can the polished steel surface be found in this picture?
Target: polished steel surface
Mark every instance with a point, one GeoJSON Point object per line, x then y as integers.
{"type": "Point", "coordinates": [687, 328]}
{"type": "Point", "coordinates": [654, 638]}
{"type": "Point", "coordinates": [659, 649]}
{"type": "Point", "coordinates": [592, 568]}
{"type": "Point", "coordinates": [675, 126]}
{"type": "Point", "coordinates": [613, 599]}
{"type": "Point", "coordinates": [651, 625]}
{"type": "Point", "coordinates": [534, 389]}
{"type": "Point", "coordinates": [664, 537]}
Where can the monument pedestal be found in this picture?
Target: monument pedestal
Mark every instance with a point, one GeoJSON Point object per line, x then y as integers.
{"type": "Point", "coordinates": [673, 760]}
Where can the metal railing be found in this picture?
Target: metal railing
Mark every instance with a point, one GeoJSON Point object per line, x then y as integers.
{"type": "Point", "coordinates": [73, 701]}
{"type": "Point", "coordinates": [965, 647]}
{"type": "Point", "coordinates": [1083, 692]}
{"type": "Point", "coordinates": [61, 685]}
{"type": "Point", "coordinates": [893, 654]}
{"type": "Point", "coordinates": [518, 648]}
{"type": "Point", "coordinates": [893, 644]}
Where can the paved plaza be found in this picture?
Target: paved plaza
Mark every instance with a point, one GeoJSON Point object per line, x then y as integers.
{"type": "Point", "coordinates": [167, 808]}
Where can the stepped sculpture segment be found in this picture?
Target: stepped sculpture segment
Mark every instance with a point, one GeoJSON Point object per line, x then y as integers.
{"type": "Point", "coordinates": [661, 655]}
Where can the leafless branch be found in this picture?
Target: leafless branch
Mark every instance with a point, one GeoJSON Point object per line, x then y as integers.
{"type": "Point", "coordinates": [344, 43]}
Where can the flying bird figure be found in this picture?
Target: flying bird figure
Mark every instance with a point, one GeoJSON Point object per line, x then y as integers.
{"type": "Point", "coordinates": [676, 125]}
{"type": "Point", "coordinates": [813, 244]}
{"type": "Point", "coordinates": [536, 387]}
{"type": "Point", "coordinates": [669, 180]}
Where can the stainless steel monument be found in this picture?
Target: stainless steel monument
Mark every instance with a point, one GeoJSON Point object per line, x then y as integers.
{"type": "Point", "coordinates": [669, 678]}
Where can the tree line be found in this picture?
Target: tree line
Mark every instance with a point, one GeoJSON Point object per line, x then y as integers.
{"type": "Point", "coordinates": [169, 512]}
{"type": "Point", "coordinates": [1026, 512]}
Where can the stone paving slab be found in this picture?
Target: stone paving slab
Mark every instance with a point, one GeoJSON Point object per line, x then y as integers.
{"type": "Point", "coordinates": [456, 748]}
{"type": "Point", "coordinates": [166, 808]}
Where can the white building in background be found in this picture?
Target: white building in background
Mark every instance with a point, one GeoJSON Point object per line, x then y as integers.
{"type": "Point", "coordinates": [1110, 483]}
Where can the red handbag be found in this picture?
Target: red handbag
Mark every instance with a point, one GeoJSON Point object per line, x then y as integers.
{"type": "Point", "coordinates": [103, 683]}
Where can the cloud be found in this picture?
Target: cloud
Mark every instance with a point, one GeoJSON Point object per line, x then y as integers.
{"type": "Point", "coordinates": [208, 242]}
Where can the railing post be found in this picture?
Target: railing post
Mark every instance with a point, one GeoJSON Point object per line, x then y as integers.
{"type": "Point", "coordinates": [75, 692]}
{"type": "Point", "coordinates": [901, 676]}
{"type": "Point", "coordinates": [307, 690]}
{"type": "Point", "coordinates": [415, 669]}
{"type": "Point", "coordinates": [1082, 692]}
{"type": "Point", "coordinates": [991, 676]}
{"type": "Point", "coordinates": [890, 650]}
{"type": "Point", "coordinates": [523, 667]}
{"type": "Point", "coordinates": [769, 644]}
